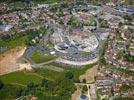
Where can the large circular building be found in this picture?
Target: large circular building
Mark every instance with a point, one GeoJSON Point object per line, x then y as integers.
{"type": "Point", "coordinates": [75, 43]}
{"type": "Point", "coordinates": [77, 47]}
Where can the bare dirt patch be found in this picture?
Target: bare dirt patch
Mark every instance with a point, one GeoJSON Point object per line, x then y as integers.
{"type": "Point", "coordinates": [89, 75]}
{"type": "Point", "coordinates": [77, 93]}
{"type": "Point", "coordinates": [9, 60]}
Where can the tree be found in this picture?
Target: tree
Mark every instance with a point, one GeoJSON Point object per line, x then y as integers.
{"type": "Point", "coordinates": [84, 89]}
{"type": "Point", "coordinates": [30, 85]}
{"type": "Point", "coordinates": [104, 23]}
{"type": "Point", "coordinates": [1, 23]}
{"type": "Point", "coordinates": [120, 24]}
{"type": "Point", "coordinates": [76, 80]}
{"type": "Point", "coordinates": [19, 92]}
{"type": "Point", "coordinates": [84, 80]}
{"type": "Point", "coordinates": [69, 75]}
{"type": "Point", "coordinates": [44, 83]}
{"type": "Point", "coordinates": [1, 84]}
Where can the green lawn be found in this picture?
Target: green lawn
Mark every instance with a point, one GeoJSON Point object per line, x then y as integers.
{"type": "Point", "coordinates": [37, 57]}
{"type": "Point", "coordinates": [76, 71]}
{"type": "Point", "coordinates": [20, 77]}
{"type": "Point", "coordinates": [50, 74]}
{"type": "Point", "coordinates": [53, 75]}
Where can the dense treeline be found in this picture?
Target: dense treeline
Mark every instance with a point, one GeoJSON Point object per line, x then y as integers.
{"type": "Point", "coordinates": [60, 89]}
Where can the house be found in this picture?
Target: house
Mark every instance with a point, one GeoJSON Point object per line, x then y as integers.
{"type": "Point", "coordinates": [132, 52]}
{"type": "Point", "coordinates": [114, 22]}
{"type": "Point", "coordinates": [111, 4]}
{"type": "Point", "coordinates": [103, 81]}
{"type": "Point", "coordinates": [3, 6]}
{"type": "Point", "coordinates": [131, 68]}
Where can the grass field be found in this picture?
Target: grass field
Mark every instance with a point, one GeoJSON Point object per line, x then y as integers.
{"type": "Point", "coordinates": [76, 71]}
{"type": "Point", "coordinates": [50, 74]}
{"type": "Point", "coordinates": [53, 75]}
{"type": "Point", "coordinates": [37, 57]}
{"type": "Point", "coordinates": [20, 78]}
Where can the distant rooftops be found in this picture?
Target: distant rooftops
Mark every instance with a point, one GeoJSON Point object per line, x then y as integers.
{"type": "Point", "coordinates": [127, 9]}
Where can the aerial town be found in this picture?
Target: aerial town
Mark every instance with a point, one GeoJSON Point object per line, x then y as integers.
{"type": "Point", "coordinates": [67, 50]}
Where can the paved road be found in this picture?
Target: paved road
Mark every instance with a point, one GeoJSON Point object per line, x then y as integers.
{"type": "Point", "coordinates": [41, 64]}
{"type": "Point", "coordinates": [44, 65]}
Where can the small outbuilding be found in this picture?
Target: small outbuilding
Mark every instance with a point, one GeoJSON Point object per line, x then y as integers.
{"type": "Point", "coordinates": [83, 97]}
